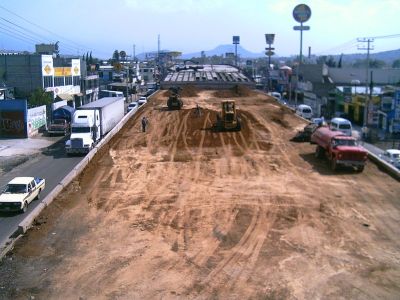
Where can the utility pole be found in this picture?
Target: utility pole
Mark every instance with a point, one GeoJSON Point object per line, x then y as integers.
{"type": "Point", "coordinates": [134, 54]}
{"type": "Point", "coordinates": [368, 48]}
{"type": "Point", "coordinates": [158, 50]}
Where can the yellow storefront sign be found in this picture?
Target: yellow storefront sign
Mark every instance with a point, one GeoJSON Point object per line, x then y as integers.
{"type": "Point", "coordinates": [62, 71]}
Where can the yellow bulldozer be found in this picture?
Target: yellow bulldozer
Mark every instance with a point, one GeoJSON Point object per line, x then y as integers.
{"type": "Point", "coordinates": [174, 100]}
{"type": "Point", "coordinates": [228, 119]}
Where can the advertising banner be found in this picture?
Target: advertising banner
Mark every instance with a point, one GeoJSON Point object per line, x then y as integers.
{"type": "Point", "coordinates": [12, 124]}
{"type": "Point", "coordinates": [36, 119]}
{"type": "Point", "coordinates": [62, 71]}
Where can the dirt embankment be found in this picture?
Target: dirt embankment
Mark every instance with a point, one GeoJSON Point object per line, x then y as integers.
{"type": "Point", "coordinates": [182, 211]}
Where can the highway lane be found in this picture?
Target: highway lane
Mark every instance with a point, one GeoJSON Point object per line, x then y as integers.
{"type": "Point", "coordinates": [53, 165]}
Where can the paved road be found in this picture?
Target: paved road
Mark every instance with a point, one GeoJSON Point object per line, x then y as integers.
{"type": "Point", "coordinates": [52, 165]}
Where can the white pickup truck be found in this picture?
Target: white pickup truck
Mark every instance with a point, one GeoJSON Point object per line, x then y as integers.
{"type": "Point", "coordinates": [19, 192]}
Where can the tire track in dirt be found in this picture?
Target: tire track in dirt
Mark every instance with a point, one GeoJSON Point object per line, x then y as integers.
{"type": "Point", "coordinates": [242, 257]}
{"type": "Point", "coordinates": [178, 133]}
{"type": "Point", "coordinates": [200, 150]}
{"type": "Point", "coordinates": [252, 130]}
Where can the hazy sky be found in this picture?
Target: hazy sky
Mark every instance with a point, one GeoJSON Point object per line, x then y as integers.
{"type": "Point", "coordinates": [189, 26]}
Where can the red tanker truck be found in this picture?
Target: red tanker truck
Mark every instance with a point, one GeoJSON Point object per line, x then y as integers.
{"type": "Point", "coordinates": [339, 149]}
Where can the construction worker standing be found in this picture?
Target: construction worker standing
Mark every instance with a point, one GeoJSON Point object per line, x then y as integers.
{"type": "Point", "coordinates": [145, 122]}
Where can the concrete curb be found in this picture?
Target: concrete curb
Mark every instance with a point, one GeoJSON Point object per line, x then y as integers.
{"type": "Point", "coordinates": [27, 222]}
{"type": "Point", "coordinates": [391, 170]}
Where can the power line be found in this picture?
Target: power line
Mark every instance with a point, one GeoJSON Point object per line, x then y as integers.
{"type": "Point", "coordinates": [16, 36]}
{"type": "Point", "coordinates": [386, 36]}
{"type": "Point", "coordinates": [27, 33]}
{"type": "Point", "coordinates": [42, 28]}
{"type": "Point", "coordinates": [65, 45]}
{"type": "Point", "coordinates": [344, 46]}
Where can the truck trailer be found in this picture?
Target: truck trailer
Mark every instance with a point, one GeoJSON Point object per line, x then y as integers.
{"type": "Point", "coordinates": [93, 121]}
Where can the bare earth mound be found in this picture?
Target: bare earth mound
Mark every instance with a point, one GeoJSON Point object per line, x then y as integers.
{"type": "Point", "coordinates": [182, 211]}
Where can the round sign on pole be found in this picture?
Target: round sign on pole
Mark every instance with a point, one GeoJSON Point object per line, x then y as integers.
{"type": "Point", "coordinates": [302, 13]}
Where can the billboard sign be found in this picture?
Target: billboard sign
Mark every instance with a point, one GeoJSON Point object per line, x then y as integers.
{"type": "Point", "coordinates": [269, 38]}
{"type": "Point", "coordinates": [236, 39]}
{"type": "Point", "coordinates": [302, 13]}
{"type": "Point", "coordinates": [47, 65]}
{"type": "Point", "coordinates": [301, 27]}
{"type": "Point", "coordinates": [76, 67]}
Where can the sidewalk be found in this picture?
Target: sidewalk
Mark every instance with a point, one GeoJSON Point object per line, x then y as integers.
{"type": "Point", "coordinates": [27, 146]}
{"type": "Point", "coordinates": [14, 152]}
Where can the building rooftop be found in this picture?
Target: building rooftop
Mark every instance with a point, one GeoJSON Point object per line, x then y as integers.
{"type": "Point", "coordinates": [209, 76]}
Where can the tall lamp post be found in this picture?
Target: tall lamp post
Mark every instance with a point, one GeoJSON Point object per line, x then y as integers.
{"type": "Point", "coordinates": [269, 39]}
{"type": "Point", "coordinates": [236, 41]}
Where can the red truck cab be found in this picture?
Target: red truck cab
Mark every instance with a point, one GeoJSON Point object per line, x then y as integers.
{"type": "Point", "coordinates": [339, 149]}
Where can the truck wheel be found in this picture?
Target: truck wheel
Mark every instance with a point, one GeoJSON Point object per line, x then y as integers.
{"type": "Point", "coordinates": [319, 152]}
{"type": "Point", "coordinates": [333, 165]}
{"type": "Point", "coordinates": [38, 196]}
{"type": "Point", "coordinates": [360, 169]}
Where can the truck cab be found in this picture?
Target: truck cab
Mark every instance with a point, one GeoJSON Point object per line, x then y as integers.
{"type": "Point", "coordinates": [85, 131]}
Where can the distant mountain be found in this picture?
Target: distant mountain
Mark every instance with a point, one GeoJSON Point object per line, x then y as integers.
{"type": "Point", "coordinates": [387, 56]}
{"type": "Point", "coordinates": [222, 50]}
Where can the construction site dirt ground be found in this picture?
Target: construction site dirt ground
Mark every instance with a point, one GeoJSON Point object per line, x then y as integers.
{"type": "Point", "coordinates": [182, 211]}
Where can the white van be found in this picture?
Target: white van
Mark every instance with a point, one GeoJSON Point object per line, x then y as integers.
{"type": "Point", "coordinates": [341, 124]}
{"type": "Point", "coordinates": [106, 93]}
{"type": "Point", "coordinates": [276, 95]}
{"type": "Point", "coordinates": [304, 111]}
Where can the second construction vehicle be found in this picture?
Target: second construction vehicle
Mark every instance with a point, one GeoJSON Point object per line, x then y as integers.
{"type": "Point", "coordinates": [228, 119]}
{"type": "Point", "coordinates": [174, 100]}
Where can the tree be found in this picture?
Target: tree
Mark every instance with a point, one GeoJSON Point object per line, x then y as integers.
{"type": "Point", "coordinates": [340, 61]}
{"type": "Point", "coordinates": [331, 62]}
{"type": "Point", "coordinates": [376, 63]}
{"type": "Point", "coordinates": [322, 59]}
{"type": "Point", "coordinates": [39, 97]}
{"type": "Point", "coordinates": [115, 56]}
{"type": "Point", "coordinates": [396, 63]}
{"type": "Point", "coordinates": [373, 63]}
{"type": "Point", "coordinates": [90, 58]}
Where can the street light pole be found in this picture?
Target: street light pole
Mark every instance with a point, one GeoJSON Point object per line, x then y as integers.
{"type": "Point", "coordinates": [236, 41]}
{"type": "Point", "coordinates": [269, 39]}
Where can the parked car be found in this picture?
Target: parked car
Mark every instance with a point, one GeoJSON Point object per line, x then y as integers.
{"type": "Point", "coordinates": [391, 156]}
{"type": "Point", "coordinates": [133, 106]}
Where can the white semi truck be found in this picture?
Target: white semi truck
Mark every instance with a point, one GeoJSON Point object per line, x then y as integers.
{"type": "Point", "coordinates": [92, 121]}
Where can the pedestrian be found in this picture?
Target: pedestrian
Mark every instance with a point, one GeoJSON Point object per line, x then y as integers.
{"type": "Point", "coordinates": [198, 112]}
{"type": "Point", "coordinates": [145, 122]}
